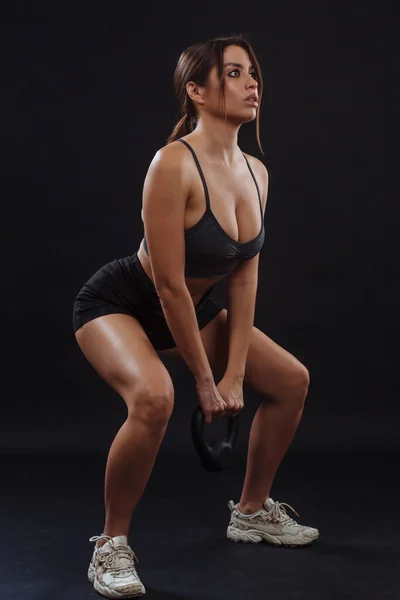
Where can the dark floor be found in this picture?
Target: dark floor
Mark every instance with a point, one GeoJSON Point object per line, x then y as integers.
{"type": "Point", "coordinates": [51, 505]}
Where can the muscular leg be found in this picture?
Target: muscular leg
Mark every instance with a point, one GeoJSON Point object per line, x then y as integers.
{"type": "Point", "coordinates": [272, 431]}
{"type": "Point", "coordinates": [282, 381]}
{"type": "Point", "coordinates": [119, 350]}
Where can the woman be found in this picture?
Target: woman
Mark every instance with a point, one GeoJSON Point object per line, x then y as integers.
{"type": "Point", "coordinates": [203, 212]}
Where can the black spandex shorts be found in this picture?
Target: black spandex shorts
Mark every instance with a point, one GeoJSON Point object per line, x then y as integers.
{"type": "Point", "coordinates": [123, 286]}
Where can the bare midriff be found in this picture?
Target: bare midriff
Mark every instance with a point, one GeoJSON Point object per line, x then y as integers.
{"type": "Point", "coordinates": [197, 287]}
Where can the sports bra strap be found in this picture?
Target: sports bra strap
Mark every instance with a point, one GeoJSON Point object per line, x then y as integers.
{"type": "Point", "coordinates": [204, 181]}
{"type": "Point", "coordinates": [255, 181]}
{"type": "Point", "coordinates": [200, 171]}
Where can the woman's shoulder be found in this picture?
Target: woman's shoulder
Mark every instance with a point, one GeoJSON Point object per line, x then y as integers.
{"type": "Point", "coordinates": [175, 148]}
{"type": "Point", "coordinates": [173, 154]}
{"type": "Point", "coordinates": [261, 175]}
{"type": "Point", "coordinates": [257, 164]}
{"type": "Point", "coordinates": [170, 163]}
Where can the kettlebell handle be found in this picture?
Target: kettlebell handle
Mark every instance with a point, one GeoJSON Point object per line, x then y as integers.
{"type": "Point", "coordinates": [214, 458]}
{"type": "Point", "coordinates": [232, 431]}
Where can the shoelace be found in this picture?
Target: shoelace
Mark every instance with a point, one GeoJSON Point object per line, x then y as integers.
{"type": "Point", "coordinates": [117, 552]}
{"type": "Point", "coordinates": [278, 512]}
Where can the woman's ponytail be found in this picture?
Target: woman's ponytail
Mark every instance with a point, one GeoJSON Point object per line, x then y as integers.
{"type": "Point", "coordinates": [184, 126]}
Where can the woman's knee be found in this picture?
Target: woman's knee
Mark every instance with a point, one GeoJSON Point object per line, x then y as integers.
{"type": "Point", "coordinates": [304, 378]}
{"type": "Point", "coordinates": [294, 388]}
{"type": "Point", "coordinates": [152, 404]}
{"type": "Point", "coordinates": [299, 382]}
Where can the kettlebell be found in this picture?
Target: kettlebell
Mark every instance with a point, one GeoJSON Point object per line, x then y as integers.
{"type": "Point", "coordinates": [219, 455]}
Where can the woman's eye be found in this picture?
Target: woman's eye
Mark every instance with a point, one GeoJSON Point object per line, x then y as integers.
{"type": "Point", "coordinates": [253, 74]}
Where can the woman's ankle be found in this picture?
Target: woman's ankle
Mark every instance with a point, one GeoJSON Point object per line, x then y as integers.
{"type": "Point", "coordinates": [112, 534]}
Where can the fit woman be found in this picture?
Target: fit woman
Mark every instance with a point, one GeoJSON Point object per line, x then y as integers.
{"type": "Point", "coordinates": [203, 212]}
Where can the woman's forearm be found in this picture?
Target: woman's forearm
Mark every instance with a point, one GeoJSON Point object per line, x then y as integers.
{"type": "Point", "coordinates": [181, 319]}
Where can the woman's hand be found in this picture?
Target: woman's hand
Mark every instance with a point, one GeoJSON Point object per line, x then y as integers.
{"type": "Point", "coordinates": [211, 402]}
{"type": "Point", "coordinates": [231, 391]}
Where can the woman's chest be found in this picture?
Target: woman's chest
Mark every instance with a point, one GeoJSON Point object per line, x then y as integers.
{"type": "Point", "coordinates": [233, 200]}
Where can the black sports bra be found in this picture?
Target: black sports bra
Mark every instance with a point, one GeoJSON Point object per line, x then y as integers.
{"type": "Point", "coordinates": [209, 250]}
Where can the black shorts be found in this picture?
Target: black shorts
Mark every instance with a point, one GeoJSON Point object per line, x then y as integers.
{"type": "Point", "coordinates": [123, 286]}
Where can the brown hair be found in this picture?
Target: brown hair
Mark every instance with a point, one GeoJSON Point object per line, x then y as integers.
{"type": "Point", "coordinates": [194, 64]}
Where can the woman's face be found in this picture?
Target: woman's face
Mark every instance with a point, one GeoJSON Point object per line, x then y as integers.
{"type": "Point", "coordinates": [240, 83]}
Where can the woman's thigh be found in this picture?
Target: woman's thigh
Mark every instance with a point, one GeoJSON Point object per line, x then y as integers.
{"type": "Point", "coordinates": [270, 369]}
{"type": "Point", "coordinates": [118, 348]}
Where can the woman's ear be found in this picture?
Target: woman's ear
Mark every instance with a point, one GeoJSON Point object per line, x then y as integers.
{"type": "Point", "coordinates": [195, 92]}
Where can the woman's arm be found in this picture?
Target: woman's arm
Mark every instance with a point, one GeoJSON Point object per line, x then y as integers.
{"type": "Point", "coordinates": [241, 292]}
{"type": "Point", "coordinates": [166, 188]}
{"type": "Point", "coordinates": [241, 296]}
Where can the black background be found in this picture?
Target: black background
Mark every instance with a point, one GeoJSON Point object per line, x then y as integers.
{"type": "Point", "coordinates": [86, 101]}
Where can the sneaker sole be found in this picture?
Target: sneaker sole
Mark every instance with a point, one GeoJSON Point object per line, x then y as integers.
{"type": "Point", "coordinates": [130, 591]}
{"type": "Point", "coordinates": [252, 536]}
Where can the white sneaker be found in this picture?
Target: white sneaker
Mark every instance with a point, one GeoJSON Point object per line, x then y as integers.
{"type": "Point", "coordinates": [270, 524]}
{"type": "Point", "coordinates": [112, 570]}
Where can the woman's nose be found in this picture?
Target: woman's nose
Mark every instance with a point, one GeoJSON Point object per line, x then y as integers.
{"type": "Point", "coordinates": [252, 83]}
